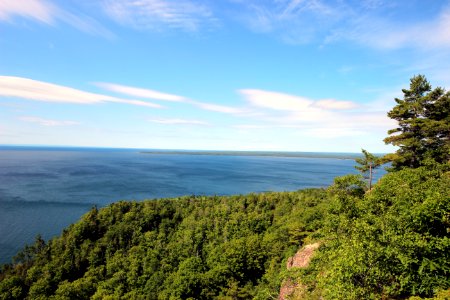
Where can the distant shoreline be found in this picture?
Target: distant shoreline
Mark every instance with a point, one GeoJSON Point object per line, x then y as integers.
{"type": "Point", "coordinates": [286, 154]}
{"type": "Point", "coordinates": [257, 153]}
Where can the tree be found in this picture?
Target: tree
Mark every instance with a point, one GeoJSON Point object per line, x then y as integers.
{"type": "Point", "coordinates": [423, 131]}
{"type": "Point", "coordinates": [393, 245]}
{"type": "Point", "coordinates": [367, 165]}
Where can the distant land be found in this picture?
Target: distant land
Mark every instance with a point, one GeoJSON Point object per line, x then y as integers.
{"type": "Point", "coordinates": [299, 154]}
{"type": "Point", "coordinates": [338, 155]}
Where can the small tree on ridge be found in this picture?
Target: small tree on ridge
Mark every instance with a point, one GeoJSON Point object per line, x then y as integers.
{"type": "Point", "coordinates": [367, 165]}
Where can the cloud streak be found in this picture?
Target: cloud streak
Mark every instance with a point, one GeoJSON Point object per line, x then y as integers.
{"type": "Point", "coordinates": [378, 32]}
{"type": "Point", "coordinates": [286, 102]}
{"type": "Point", "coordinates": [84, 23]}
{"type": "Point", "coordinates": [376, 24]}
{"type": "Point", "coordinates": [29, 89]}
{"type": "Point", "coordinates": [140, 92]}
{"type": "Point", "coordinates": [166, 121]}
{"type": "Point", "coordinates": [156, 95]}
{"type": "Point", "coordinates": [291, 20]}
{"type": "Point", "coordinates": [156, 15]}
{"type": "Point", "coordinates": [326, 118]}
{"type": "Point", "coordinates": [217, 108]}
{"type": "Point", "coordinates": [48, 13]}
{"type": "Point", "coordinates": [47, 122]}
{"type": "Point", "coordinates": [38, 10]}
{"type": "Point", "coordinates": [323, 118]}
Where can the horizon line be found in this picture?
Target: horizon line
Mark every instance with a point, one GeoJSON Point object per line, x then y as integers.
{"type": "Point", "coordinates": [150, 150]}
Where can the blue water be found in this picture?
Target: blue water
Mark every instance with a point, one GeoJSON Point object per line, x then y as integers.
{"type": "Point", "coordinates": [43, 190]}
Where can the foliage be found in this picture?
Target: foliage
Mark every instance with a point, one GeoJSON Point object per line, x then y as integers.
{"type": "Point", "coordinates": [367, 165]}
{"type": "Point", "coordinates": [423, 132]}
{"type": "Point", "coordinates": [190, 247]}
{"type": "Point", "coordinates": [391, 243]}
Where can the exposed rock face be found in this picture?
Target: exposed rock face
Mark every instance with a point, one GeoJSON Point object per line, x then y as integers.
{"type": "Point", "coordinates": [301, 259]}
{"type": "Point", "coordinates": [287, 289]}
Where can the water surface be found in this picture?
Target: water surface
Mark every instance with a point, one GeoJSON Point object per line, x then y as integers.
{"type": "Point", "coordinates": [43, 190]}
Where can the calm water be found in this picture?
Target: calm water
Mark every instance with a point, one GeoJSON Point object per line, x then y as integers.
{"type": "Point", "coordinates": [44, 190]}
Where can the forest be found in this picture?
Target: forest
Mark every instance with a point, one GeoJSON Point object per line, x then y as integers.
{"type": "Point", "coordinates": [389, 240]}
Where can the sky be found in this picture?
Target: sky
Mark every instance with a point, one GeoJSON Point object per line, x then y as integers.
{"type": "Point", "coordinates": [270, 75]}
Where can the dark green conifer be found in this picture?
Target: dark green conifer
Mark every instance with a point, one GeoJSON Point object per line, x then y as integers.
{"type": "Point", "coordinates": [367, 165]}
{"type": "Point", "coordinates": [423, 131]}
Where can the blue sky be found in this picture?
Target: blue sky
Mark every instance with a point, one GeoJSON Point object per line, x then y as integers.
{"type": "Point", "coordinates": [289, 75]}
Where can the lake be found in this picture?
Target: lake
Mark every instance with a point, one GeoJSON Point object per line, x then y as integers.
{"type": "Point", "coordinates": [43, 190]}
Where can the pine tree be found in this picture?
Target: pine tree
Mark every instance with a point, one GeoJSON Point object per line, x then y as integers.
{"type": "Point", "coordinates": [423, 131]}
{"type": "Point", "coordinates": [367, 165]}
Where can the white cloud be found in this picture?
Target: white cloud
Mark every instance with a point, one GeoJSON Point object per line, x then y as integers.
{"type": "Point", "coordinates": [324, 118]}
{"type": "Point", "coordinates": [47, 122]}
{"type": "Point", "coordinates": [84, 23]}
{"type": "Point", "coordinates": [46, 12]}
{"type": "Point", "coordinates": [42, 91]}
{"type": "Point", "coordinates": [33, 9]}
{"type": "Point", "coordinates": [217, 108]}
{"type": "Point", "coordinates": [373, 23]}
{"type": "Point", "coordinates": [155, 15]}
{"type": "Point", "coordinates": [335, 104]}
{"type": "Point", "coordinates": [178, 121]}
{"type": "Point", "coordinates": [294, 21]}
{"type": "Point", "coordinates": [139, 92]}
{"type": "Point", "coordinates": [330, 132]}
{"type": "Point", "coordinates": [250, 126]}
{"type": "Point", "coordinates": [274, 100]}
{"type": "Point", "coordinates": [296, 7]}
{"type": "Point", "coordinates": [152, 94]}
{"type": "Point", "coordinates": [382, 33]}
{"type": "Point", "coordinates": [286, 102]}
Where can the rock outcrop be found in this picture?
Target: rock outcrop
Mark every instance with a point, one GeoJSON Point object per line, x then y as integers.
{"type": "Point", "coordinates": [301, 259]}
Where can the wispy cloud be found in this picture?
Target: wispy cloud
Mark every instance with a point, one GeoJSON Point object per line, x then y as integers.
{"type": "Point", "coordinates": [274, 100]}
{"type": "Point", "coordinates": [379, 32]}
{"type": "Point", "coordinates": [157, 95]}
{"type": "Point", "coordinates": [321, 118]}
{"type": "Point", "coordinates": [29, 89]}
{"type": "Point", "coordinates": [49, 13]}
{"type": "Point", "coordinates": [140, 92]}
{"type": "Point", "coordinates": [250, 126]}
{"type": "Point", "coordinates": [291, 19]}
{"type": "Point", "coordinates": [286, 102]}
{"type": "Point", "coordinates": [47, 122]}
{"type": "Point", "coordinates": [335, 104]}
{"type": "Point", "coordinates": [187, 15]}
{"type": "Point", "coordinates": [84, 23]}
{"type": "Point", "coordinates": [218, 108]}
{"type": "Point", "coordinates": [373, 23]}
{"type": "Point", "coordinates": [38, 10]}
{"type": "Point", "coordinates": [178, 122]}
{"type": "Point", "coordinates": [330, 132]}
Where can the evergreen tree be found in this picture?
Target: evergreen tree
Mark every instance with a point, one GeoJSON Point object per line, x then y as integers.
{"type": "Point", "coordinates": [423, 130]}
{"type": "Point", "coordinates": [367, 165]}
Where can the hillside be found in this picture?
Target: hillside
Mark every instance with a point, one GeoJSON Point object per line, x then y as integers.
{"type": "Point", "coordinates": [390, 243]}
{"type": "Point", "coordinates": [199, 247]}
